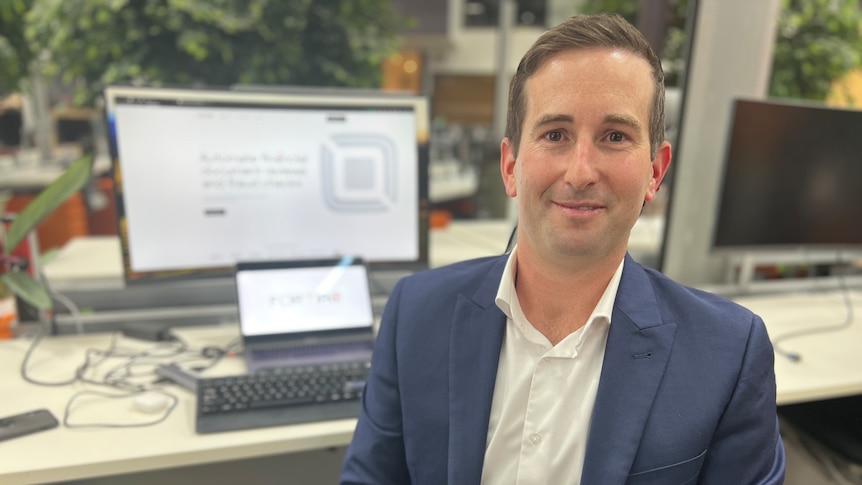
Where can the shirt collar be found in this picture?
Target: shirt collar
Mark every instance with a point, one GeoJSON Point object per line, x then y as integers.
{"type": "Point", "coordinates": [506, 290]}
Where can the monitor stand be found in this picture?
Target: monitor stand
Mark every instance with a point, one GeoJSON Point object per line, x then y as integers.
{"type": "Point", "coordinates": [741, 273]}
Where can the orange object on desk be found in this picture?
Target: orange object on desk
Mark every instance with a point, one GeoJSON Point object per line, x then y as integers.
{"type": "Point", "coordinates": [8, 313]}
{"type": "Point", "coordinates": [439, 219]}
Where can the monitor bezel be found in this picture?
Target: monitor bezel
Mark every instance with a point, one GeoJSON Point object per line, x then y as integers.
{"type": "Point", "coordinates": [796, 247]}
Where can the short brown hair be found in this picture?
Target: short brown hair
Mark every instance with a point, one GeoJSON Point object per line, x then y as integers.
{"type": "Point", "coordinates": [584, 32]}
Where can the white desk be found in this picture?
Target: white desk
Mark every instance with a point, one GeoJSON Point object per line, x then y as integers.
{"type": "Point", "coordinates": [831, 363]}
{"type": "Point", "coordinates": [66, 453]}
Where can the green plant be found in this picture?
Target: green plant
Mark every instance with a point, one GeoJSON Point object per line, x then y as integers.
{"type": "Point", "coordinates": [817, 42]}
{"type": "Point", "coordinates": [13, 276]}
{"type": "Point", "coordinates": [15, 51]}
{"type": "Point", "coordinates": [90, 43]}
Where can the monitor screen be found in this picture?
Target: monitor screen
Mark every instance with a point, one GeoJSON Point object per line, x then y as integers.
{"type": "Point", "coordinates": [792, 177]}
{"type": "Point", "coordinates": [206, 178]}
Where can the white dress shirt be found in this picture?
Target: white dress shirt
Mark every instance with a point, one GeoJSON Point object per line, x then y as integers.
{"type": "Point", "coordinates": [544, 394]}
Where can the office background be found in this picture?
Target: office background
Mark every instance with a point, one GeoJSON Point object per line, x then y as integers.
{"type": "Point", "coordinates": [457, 53]}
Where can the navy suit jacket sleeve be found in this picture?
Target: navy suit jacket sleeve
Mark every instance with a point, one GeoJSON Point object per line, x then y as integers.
{"type": "Point", "coordinates": [744, 448]}
{"type": "Point", "coordinates": [377, 452]}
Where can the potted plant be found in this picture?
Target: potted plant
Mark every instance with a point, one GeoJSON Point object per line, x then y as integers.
{"type": "Point", "coordinates": [14, 278]}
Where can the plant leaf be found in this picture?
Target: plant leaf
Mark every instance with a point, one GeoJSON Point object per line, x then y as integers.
{"type": "Point", "coordinates": [23, 285]}
{"type": "Point", "coordinates": [72, 180]}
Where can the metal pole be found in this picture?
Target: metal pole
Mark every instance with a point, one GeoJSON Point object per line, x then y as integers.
{"type": "Point", "coordinates": [508, 9]}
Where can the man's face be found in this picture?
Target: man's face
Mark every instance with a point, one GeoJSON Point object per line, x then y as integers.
{"type": "Point", "coordinates": [584, 169]}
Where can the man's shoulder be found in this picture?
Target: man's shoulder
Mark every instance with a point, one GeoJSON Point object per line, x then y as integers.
{"type": "Point", "coordinates": [676, 297]}
{"type": "Point", "coordinates": [457, 276]}
{"type": "Point", "coordinates": [469, 268]}
{"type": "Point", "coordinates": [429, 291]}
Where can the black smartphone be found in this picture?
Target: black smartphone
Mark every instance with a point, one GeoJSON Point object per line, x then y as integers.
{"type": "Point", "coordinates": [26, 423]}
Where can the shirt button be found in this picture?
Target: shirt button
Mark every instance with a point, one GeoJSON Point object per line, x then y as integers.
{"type": "Point", "coordinates": [535, 439]}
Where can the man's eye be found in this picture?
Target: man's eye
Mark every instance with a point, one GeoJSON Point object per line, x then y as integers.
{"type": "Point", "coordinates": [616, 136]}
{"type": "Point", "coordinates": [554, 136]}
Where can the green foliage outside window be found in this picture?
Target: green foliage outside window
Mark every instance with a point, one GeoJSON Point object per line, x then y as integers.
{"type": "Point", "coordinates": [817, 42]}
{"type": "Point", "coordinates": [15, 53]}
{"type": "Point", "coordinates": [90, 43]}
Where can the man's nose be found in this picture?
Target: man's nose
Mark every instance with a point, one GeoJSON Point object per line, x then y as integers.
{"type": "Point", "coordinates": [581, 165]}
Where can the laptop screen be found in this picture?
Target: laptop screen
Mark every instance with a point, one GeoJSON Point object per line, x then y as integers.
{"type": "Point", "coordinates": [283, 298]}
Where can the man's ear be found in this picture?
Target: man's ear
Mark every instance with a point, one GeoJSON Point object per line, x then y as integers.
{"type": "Point", "coordinates": [659, 165]}
{"type": "Point", "coordinates": [507, 167]}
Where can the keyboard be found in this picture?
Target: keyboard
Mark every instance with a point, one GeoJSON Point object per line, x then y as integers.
{"type": "Point", "coordinates": [280, 396]}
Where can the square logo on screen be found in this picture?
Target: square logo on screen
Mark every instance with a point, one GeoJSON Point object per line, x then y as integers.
{"type": "Point", "coordinates": [359, 173]}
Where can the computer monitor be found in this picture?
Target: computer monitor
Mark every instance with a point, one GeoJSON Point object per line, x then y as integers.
{"type": "Point", "coordinates": [206, 178]}
{"type": "Point", "coordinates": [792, 178]}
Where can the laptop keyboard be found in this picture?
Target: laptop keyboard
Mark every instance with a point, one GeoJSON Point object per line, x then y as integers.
{"type": "Point", "coordinates": [280, 396]}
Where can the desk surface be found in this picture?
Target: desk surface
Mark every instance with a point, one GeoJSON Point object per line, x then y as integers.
{"type": "Point", "coordinates": [831, 360]}
{"type": "Point", "coordinates": [66, 453]}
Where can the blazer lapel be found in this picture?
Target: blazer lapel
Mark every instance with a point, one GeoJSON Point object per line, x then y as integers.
{"type": "Point", "coordinates": [636, 355]}
{"type": "Point", "coordinates": [475, 342]}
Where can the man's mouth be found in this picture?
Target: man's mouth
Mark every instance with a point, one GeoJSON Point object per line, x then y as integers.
{"type": "Point", "coordinates": [580, 206]}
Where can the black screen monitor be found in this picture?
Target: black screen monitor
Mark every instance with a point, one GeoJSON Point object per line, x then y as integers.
{"type": "Point", "coordinates": [206, 178]}
{"type": "Point", "coordinates": [792, 178]}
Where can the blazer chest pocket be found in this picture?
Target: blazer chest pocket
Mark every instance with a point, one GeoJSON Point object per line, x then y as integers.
{"type": "Point", "coordinates": [682, 473]}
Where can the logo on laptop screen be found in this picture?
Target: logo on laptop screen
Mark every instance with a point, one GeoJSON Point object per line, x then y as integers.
{"type": "Point", "coordinates": [359, 173]}
{"type": "Point", "coordinates": [291, 299]}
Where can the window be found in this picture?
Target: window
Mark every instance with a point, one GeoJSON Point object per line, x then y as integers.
{"type": "Point", "coordinates": [486, 13]}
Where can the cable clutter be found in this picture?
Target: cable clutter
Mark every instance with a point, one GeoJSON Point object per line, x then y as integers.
{"type": "Point", "coordinates": [128, 376]}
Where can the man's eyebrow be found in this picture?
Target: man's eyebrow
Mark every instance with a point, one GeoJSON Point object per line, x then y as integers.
{"type": "Point", "coordinates": [623, 120]}
{"type": "Point", "coordinates": [552, 118]}
{"type": "Point", "coordinates": [615, 118]}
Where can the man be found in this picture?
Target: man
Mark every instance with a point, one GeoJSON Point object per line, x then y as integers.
{"type": "Point", "coordinates": [567, 361]}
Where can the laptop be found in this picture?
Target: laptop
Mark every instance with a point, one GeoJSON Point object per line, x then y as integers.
{"type": "Point", "coordinates": [304, 312]}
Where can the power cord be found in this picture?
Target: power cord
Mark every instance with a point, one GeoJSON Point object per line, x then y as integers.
{"type": "Point", "coordinates": [848, 321]}
{"type": "Point", "coordinates": [173, 400]}
{"type": "Point", "coordinates": [24, 362]}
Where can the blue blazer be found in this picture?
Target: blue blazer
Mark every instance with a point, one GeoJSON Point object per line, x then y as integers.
{"type": "Point", "coordinates": [687, 389]}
